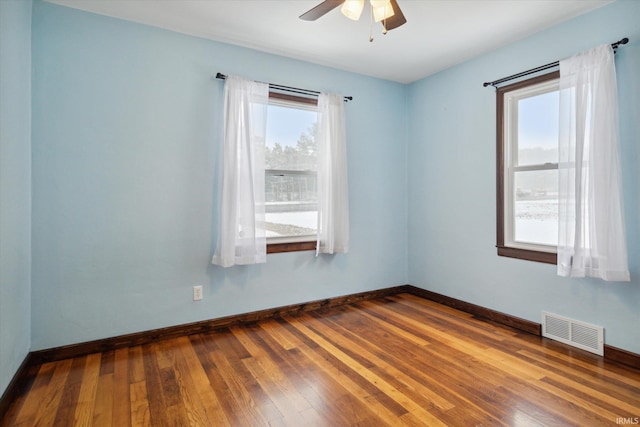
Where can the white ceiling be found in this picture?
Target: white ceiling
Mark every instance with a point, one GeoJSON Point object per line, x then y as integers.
{"type": "Point", "coordinates": [437, 35]}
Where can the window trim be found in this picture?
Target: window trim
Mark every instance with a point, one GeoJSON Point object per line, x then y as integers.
{"type": "Point", "coordinates": [275, 248]}
{"type": "Point", "coordinates": [302, 243]}
{"type": "Point", "coordinates": [501, 150]}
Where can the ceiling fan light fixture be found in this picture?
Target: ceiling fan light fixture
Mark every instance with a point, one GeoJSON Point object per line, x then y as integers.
{"type": "Point", "coordinates": [352, 9]}
{"type": "Point", "coordinates": [382, 9]}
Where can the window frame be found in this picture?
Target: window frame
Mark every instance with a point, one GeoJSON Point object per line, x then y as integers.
{"type": "Point", "coordinates": [291, 244]}
{"type": "Point", "coordinates": [505, 246]}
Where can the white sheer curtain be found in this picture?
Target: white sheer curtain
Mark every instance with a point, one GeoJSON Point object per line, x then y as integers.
{"type": "Point", "coordinates": [242, 235]}
{"type": "Point", "coordinates": [333, 195]}
{"type": "Point", "coordinates": [591, 239]}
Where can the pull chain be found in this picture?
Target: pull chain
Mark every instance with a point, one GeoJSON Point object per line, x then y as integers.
{"type": "Point", "coordinates": [384, 26]}
{"type": "Point", "coordinates": [371, 27]}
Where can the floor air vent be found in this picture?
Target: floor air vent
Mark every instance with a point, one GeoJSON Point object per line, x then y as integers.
{"type": "Point", "coordinates": [578, 334]}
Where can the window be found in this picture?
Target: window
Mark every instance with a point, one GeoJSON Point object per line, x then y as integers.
{"type": "Point", "coordinates": [291, 164]}
{"type": "Point", "coordinates": [527, 169]}
{"type": "Point", "coordinates": [242, 231]}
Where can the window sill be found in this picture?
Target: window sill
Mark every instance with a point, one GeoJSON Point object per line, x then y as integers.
{"type": "Point", "coordinates": [274, 248]}
{"type": "Point", "coordinates": [529, 255]}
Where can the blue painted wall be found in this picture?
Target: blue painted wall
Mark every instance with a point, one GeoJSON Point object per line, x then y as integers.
{"type": "Point", "coordinates": [452, 183]}
{"type": "Point", "coordinates": [126, 119]}
{"type": "Point", "coordinates": [15, 186]}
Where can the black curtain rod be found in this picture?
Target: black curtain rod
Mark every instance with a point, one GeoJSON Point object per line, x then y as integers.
{"type": "Point", "coordinates": [289, 89]}
{"type": "Point", "coordinates": [542, 67]}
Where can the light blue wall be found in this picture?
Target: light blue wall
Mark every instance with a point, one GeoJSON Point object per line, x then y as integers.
{"type": "Point", "coordinates": [452, 231]}
{"type": "Point", "coordinates": [125, 121]}
{"type": "Point", "coordinates": [15, 186]}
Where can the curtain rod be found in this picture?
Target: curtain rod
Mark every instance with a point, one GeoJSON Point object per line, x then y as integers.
{"type": "Point", "coordinates": [289, 89]}
{"type": "Point", "coordinates": [542, 67]}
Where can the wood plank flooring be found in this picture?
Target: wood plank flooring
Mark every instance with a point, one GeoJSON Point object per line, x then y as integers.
{"type": "Point", "coordinates": [399, 360]}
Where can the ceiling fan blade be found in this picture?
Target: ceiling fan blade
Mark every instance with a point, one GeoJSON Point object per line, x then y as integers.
{"type": "Point", "coordinates": [321, 9]}
{"type": "Point", "coordinates": [396, 20]}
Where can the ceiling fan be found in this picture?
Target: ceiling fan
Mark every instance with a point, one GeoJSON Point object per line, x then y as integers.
{"type": "Point", "coordinates": [386, 11]}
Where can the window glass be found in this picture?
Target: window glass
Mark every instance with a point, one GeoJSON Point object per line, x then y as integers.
{"type": "Point", "coordinates": [538, 129]}
{"type": "Point", "coordinates": [291, 193]}
{"type": "Point", "coordinates": [536, 207]}
{"type": "Point", "coordinates": [291, 131]}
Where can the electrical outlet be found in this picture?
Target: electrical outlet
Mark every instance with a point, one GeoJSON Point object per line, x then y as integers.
{"type": "Point", "coordinates": [197, 293]}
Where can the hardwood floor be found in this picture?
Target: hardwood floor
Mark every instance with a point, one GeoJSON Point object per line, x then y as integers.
{"type": "Point", "coordinates": [391, 361]}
